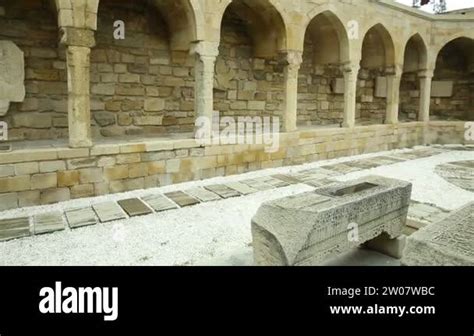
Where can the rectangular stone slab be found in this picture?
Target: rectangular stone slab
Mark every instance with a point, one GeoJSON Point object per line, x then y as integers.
{"type": "Point", "coordinates": [309, 228]}
{"type": "Point", "coordinates": [81, 217]}
{"type": "Point", "coordinates": [258, 185]}
{"type": "Point", "coordinates": [14, 228]}
{"type": "Point", "coordinates": [135, 207]}
{"type": "Point", "coordinates": [109, 211]}
{"type": "Point", "coordinates": [448, 242]}
{"type": "Point", "coordinates": [241, 188]}
{"type": "Point", "coordinates": [286, 178]}
{"type": "Point", "coordinates": [203, 195]}
{"type": "Point", "coordinates": [223, 191]}
{"type": "Point", "coordinates": [276, 183]}
{"type": "Point", "coordinates": [159, 203]}
{"type": "Point", "coordinates": [440, 89]}
{"type": "Point", "coordinates": [49, 222]}
{"type": "Point", "coordinates": [182, 199]}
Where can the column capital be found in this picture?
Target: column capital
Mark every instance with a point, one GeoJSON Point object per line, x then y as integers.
{"type": "Point", "coordinates": [394, 70]}
{"type": "Point", "coordinates": [205, 49]}
{"type": "Point", "coordinates": [426, 73]}
{"type": "Point", "coordinates": [291, 57]}
{"type": "Point", "coordinates": [77, 37]}
{"type": "Point", "coordinates": [351, 67]}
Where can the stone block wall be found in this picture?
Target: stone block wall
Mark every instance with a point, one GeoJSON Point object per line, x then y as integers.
{"type": "Point", "coordinates": [455, 64]}
{"type": "Point", "coordinates": [32, 26]}
{"type": "Point", "coordinates": [48, 175]}
{"type": "Point", "coordinates": [370, 109]}
{"type": "Point", "coordinates": [245, 84]}
{"type": "Point", "coordinates": [458, 107]}
{"type": "Point", "coordinates": [317, 103]}
{"type": "Point", "coordinates": [139, 85]}
{"type": "Point", "coordinates": [409, 97]}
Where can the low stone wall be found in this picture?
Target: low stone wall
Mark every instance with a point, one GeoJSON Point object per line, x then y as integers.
{"type": "Point", "coordinates": [31, 177]}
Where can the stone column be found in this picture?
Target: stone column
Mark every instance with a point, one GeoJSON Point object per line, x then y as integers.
{"type": "Point", "coordinates": [394, 76]}
{"type": "Point", "coordinates": [426, 76]}
{"type": "Point", "coordinates": [292, 60]}
{"type": "Point", "coordinates": [79, 43]}
{"type": "Point", "coordinates": [351, 73]}
{"type": "Point", "coordinates": [206, 55]}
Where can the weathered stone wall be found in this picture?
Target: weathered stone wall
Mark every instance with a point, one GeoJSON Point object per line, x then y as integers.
{"type": "Point", "coordinates": [139, 85]}
{"type": "Point", "coordinates": [370, 109]}
{"type": "Point", "coordinates": [245, 85]}
{"type": "Point", "coordinates": [454, 64]}
{"type": "Point", "coordinates": [49, 175]}
{"type": "Point", "coordinates": [317, 102]}
{"type": "Point", "coordinates": [32, 26]}
{"type": "Point", "coordinates": [409, 97]}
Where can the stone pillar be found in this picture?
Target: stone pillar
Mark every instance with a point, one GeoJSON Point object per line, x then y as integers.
{"type": "Point", "coordinates": [351, 73]}
{"type": "Point", "coordinates": [426, 76]}
{"type": "Point", "coordinates": [79, 43]}
{"type": "Point", "coordinates": [394, 76]}
{"type": "Point", "coordinates": [292, 61]}
{"type": "Point", "coordinates": [206, 54]}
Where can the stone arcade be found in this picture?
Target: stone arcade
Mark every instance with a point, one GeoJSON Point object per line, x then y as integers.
{"type": "Point", "coordinates": [102, 116]}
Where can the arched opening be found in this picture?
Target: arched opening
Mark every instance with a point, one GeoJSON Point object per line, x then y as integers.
{"type": "Point", "coordinates": [32, 27]}
{"type": "Point", "coordinates": [378, 57]}
{"type": "Point", "coordinates": [415, 60]}
{"type": "Point", "coordinates": [143, 84]}
{"type": "Point", "coordinates": [249, 77]}
{"type": "Point", "coordinates": [321, 80]}
{"type": "Point", "coordinates": [452, 93]}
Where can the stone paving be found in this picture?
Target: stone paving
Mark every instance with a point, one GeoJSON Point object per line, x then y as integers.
{"type": "Point", "coordinates": [419, 214]}
{"type": "Point", "coordinates": [460, 173]}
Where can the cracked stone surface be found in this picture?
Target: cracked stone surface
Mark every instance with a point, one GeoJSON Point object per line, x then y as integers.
{"type": "Point", "coordinates": [449, 242]}
{"type": "Point", "coordinates": [309, 228]}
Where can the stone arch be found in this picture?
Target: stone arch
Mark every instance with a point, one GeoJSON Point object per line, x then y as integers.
{"type": "Point", "coordinates": [378, 59]}
{"type": "Point", "coordinates": [379, 44]}
{"type": "Point", "coordinates": [415, 60]}
{"type": "Point", "coordinates": [453, 81]}
{"type": "Point", "coordinates": [249, 74]}
{"type": "Point", "coordinates": [415, 54]}
{"type": "Point", "coordinates": [143, 84]}
{"type": "Point", "coordinates": [181, 19]}
{"type": "Point", "coordinates": [264, 22]}
{"type": "Point", "coordinates": [321, 80]}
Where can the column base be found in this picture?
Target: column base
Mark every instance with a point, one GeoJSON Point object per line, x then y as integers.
{"type": "Point", "coordinates": [84, 143]}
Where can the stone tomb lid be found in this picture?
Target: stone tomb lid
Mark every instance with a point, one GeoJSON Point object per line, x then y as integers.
{"type": "Point", "coordinates": [337, 194]}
